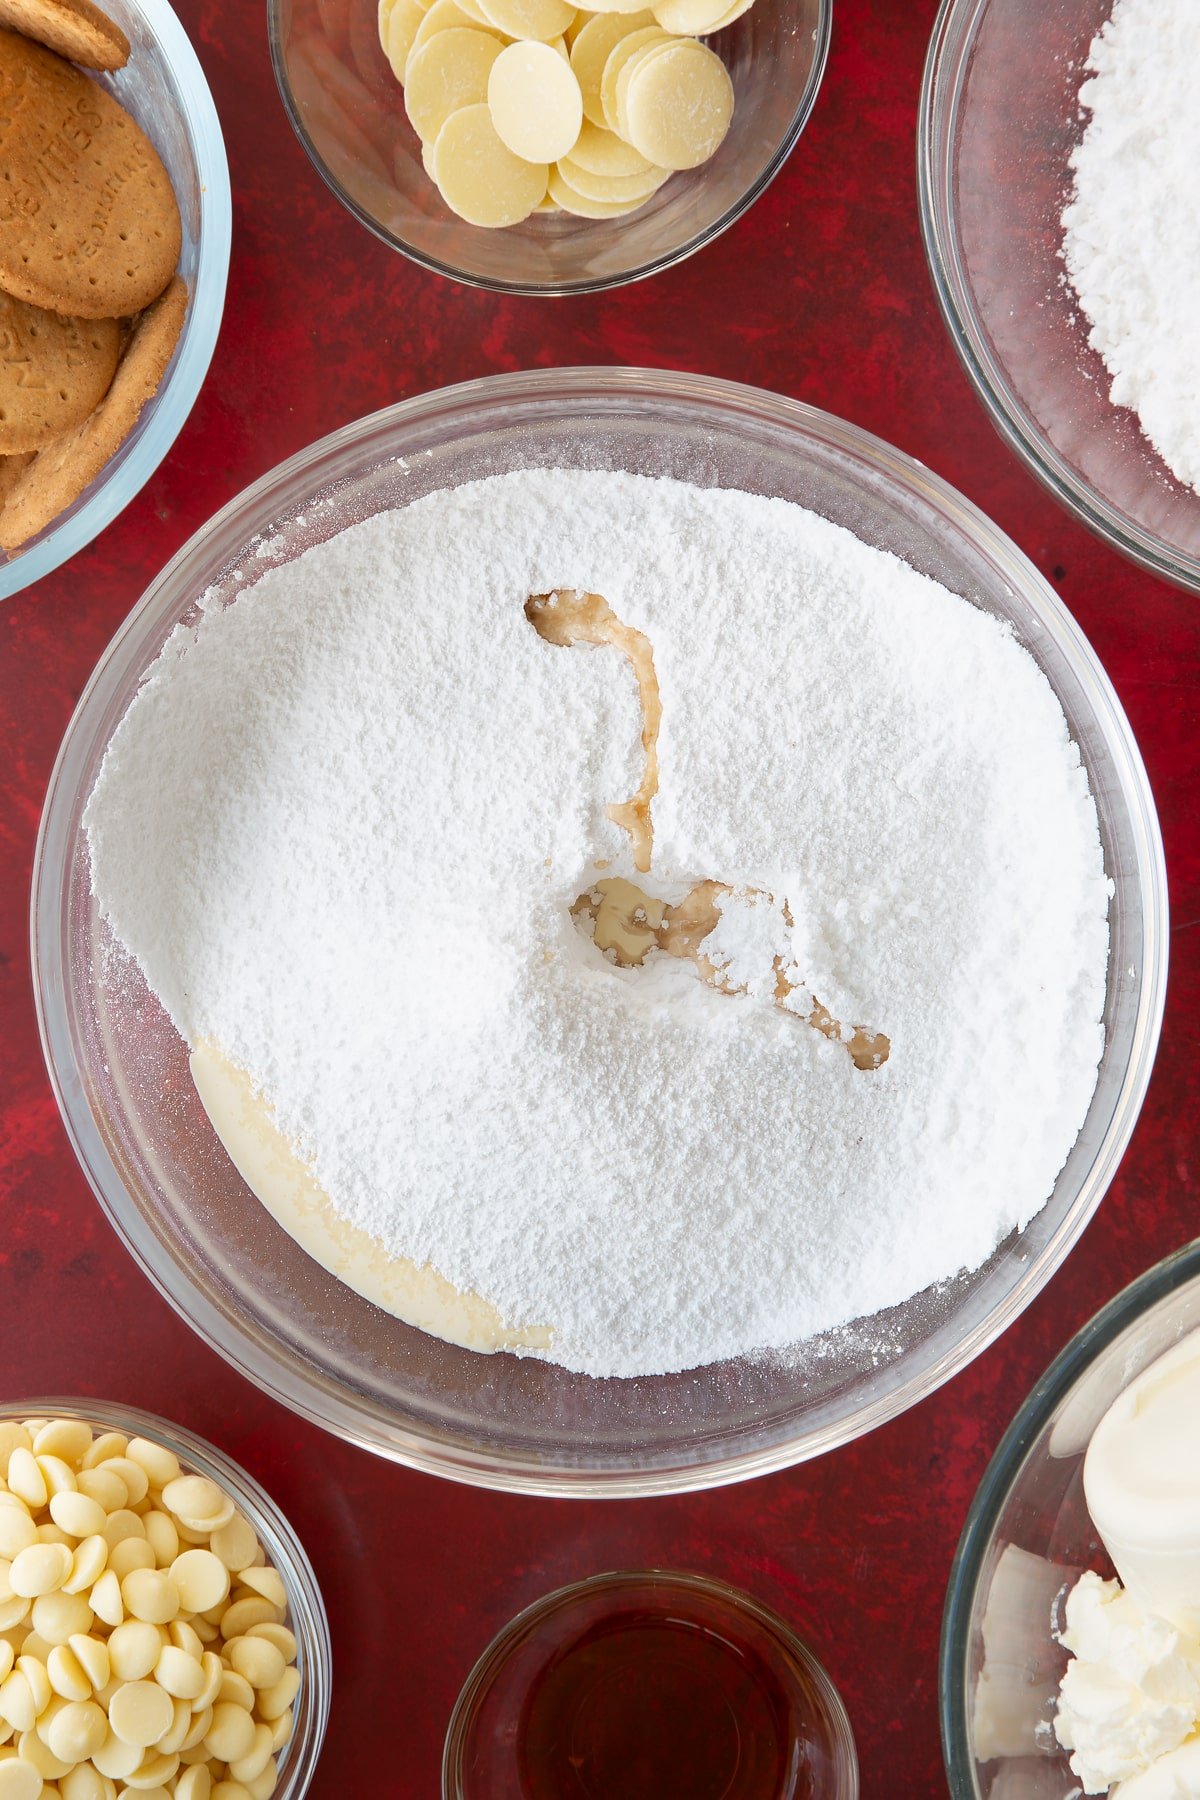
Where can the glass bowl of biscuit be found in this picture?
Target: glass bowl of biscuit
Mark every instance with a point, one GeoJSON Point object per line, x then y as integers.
{"type": "Point", "coordinates": [131, 1097]}
{"type": "Point", "coordinates": [532, 147]}
{"type": "Point", "coordinates": [105, 367]}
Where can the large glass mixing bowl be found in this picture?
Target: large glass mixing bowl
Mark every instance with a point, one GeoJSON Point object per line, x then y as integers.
{"type": "Point", "coordinates": [1027, 1539]}
{"type": "Point", "coordinates": [121, 1072]}
{"type": "Point", "coordinates": [1000, 116]}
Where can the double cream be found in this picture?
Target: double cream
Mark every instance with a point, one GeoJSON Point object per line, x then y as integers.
{"type": "Point", "coordinates": [1129, 1703]}
{"type": "Point", "coordinates": [1141, 1478]}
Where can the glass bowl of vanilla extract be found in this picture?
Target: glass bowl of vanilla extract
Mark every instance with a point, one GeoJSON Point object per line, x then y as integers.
{"type": "Point", "coordinates": [643, 1684]}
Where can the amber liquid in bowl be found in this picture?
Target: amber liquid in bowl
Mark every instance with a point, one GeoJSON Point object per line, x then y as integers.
{"type": "Point", "coordinates": [652, 1703]}
{"type": "Point", "coordinates": [644, 1687]}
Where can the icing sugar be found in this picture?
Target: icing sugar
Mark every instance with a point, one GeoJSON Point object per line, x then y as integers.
{"type": "Point", "coordinates": [1132, 227]}
{"type": "Point", "coordinates": [342, 825]}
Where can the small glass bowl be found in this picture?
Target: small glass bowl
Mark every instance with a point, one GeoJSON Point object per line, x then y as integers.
{"type": "Point", "coordinates": [1028, 1538]}
{"type": "Point", "coordinates": [347, 109]}
{"type": "Point", "coordinates": [120, 1070]}
{"type": "Point", "coordinates": [999, 118]}
{"type": "Point", "coordinates": [163, 87]}
{"type": "Point", "coordinates": [305, 1608]}
{"type": "Point", "coordinates": [487, 1743]}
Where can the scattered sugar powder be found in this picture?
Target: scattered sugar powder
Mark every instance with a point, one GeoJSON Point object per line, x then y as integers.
{"type": "Point", "coordinates": [344, 821]}
{"type": "Point", "coordinates": [1132, 228]}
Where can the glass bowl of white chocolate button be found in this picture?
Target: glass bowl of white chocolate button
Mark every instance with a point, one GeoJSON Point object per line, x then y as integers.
{"type": "Point", "coordinates": [532, 146]}
{"type": "Point", "coordinates": [1071, 1642]}
{"type": "Point", "coordinates": [163, 1633]}
{"type": "Point", "coordinates": [549, 1213]}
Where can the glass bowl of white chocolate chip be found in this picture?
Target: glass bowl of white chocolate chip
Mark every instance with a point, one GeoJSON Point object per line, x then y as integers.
{"type": "Point", "coordinates": [606, 1078]}
{"type": "Point", "coordinates": [532, 146]}
{"type": "Point", "coordinates": [1071, 1640]}
{"type": "Point", "coordinates": [163, 1629]}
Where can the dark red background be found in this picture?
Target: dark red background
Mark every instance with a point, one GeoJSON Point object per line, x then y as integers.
{"type": "Point", "coordinates": [821, 292]}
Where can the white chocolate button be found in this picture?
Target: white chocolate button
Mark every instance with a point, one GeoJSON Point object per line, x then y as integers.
{"type": "Point", "coordinates": [68, 1677]}
{"type": "Point", "coordinates": [535, 102]}
{"type": "Point", "coordinates": [58, 1476]}
{"type": "Point", "coordinates": [279, 1635]}
{"type": "Point", "coordinates": [235, 1544]}
{"type": "Point", "coordinates": [19, 1781]}
{"type": "Point", "coordinates": [105, 1599]}
{"type": "Point", "coordinates": [32, 1750]}
{"type": "Point", "coordinates": [573, 202]}
{"type": "Point", "coordinates": [449, 72]}
{"type": "Point", "coordinates": [69, 1439]}
{"type": "Point", "coordinates": [41, 1569]}
{"type": "Point", "coordinates": [591, 48]}
{"type": "Point", "coordinates": [76, 1514]}
{"type": "Point", "coordinates": [267, 1582]}
{"type": "Point", "coordinates": [17, 1531]}
{"type": "Point", "coordinates": [180, 1674]}
{"type": "Point", "coordinates": [627, 48]}
{"type": "Point", "coordinates": [25, 1479]}
{"type": "Point", "coordinates": [690, 18]}
{"type": "Point", "coordinates": [137, 1482]}
{"type": "Point", "coordinates": [194, 1784]}
{"type": "Point", "coordinates": [231, 1733]}
{"type": "Point", "coordinates": [109, 1443]}
{"type": "Point", "coordinates": [403, 23]}
{"type": "Point", "coordinates": [678, 105]}
{"type": "Point", "coordinates": [87, 1565]}
{"type": "Point", "coordinates": [117, 1759]}
{"type": "Point", "coordinates": [479, 177]}
{"type": "Point", "coordinates": [133, 1650]}
{"type": "Point", "coordinates": [193, 1497]}
{"type": "Point", "coordinates": [201, 1580]}
{"type": "Point", "coordinates": [443, 15]}
{"type": "Point", "coordinates": [608, 188]}
{"type": "Point", "coordinates": [78, 1731]}
{"type": "Point", "coordinates": [16, 1702]}
{"type": "Point", "coordinates": [56, 1617]}
{"type": "Point", "coordinates": [107, 1489]}
{"type": "Point", "coordinates": [131, 1554]}
{"type": "Point", "coordinates": [274, 1700]}
{"type": "Point", "coordinates": [260, 1663]}
{"type": "Point", "coordinates": [92, 1655]}
{"type": "Point", "coordinates": [149, 1594]}
{"type": "Point", "coordinates": [213, 1668]}
{"type": "Point", "coordinates": [529, 19]}
{"type": "Point", "coordinates": [162, 1537]}
{"type": "Point", "coordinates": [248, 1767]}
{"type": "Point", "coordinates": [602, 152]}
{"type": "Point", "coordinates": [85, 1782]}
{"type": "Point", "coordinates": [140, 1712]}
{"type": "Point", "coordinates": [153, 1774]}
{"type": "Point", "coordinates": [235, 1690]}
{"type": "Point", "coordinates": [184, 1638]}
{"type": "Point", "coordinates": [120, 1525]}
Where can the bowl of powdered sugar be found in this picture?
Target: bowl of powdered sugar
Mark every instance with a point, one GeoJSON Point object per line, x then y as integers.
{"type": "Point", "coordinates": [1059, 142]}
{"type": "Point", "coordinates": [599, 932]}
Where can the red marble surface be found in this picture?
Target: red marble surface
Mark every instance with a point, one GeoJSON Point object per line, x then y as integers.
{"type": "Point", "coordinates": [821, 292]}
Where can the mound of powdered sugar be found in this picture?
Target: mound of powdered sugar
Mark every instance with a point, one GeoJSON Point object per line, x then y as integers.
{"type": "Point", "coordinates": [342, 824]}
{"type": "Point", "coordinates": [1132, 227]}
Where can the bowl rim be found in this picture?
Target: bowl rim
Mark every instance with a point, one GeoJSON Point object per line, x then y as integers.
{"type": "Point", "coordinates": [175, 398]}
{"type": "Point", "coordinates": [942, 85]}
{"type": "Point", "coordinates": [322, 1400]}
{"type": "Point", "coordinates": [305, 1602]}
{"type": "Point", "coordinates": [1175, 1271]}
{"type": "Point", "coordinates": [493, 1656]}
{"type": "Point", "coordinates": [557, 289]}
